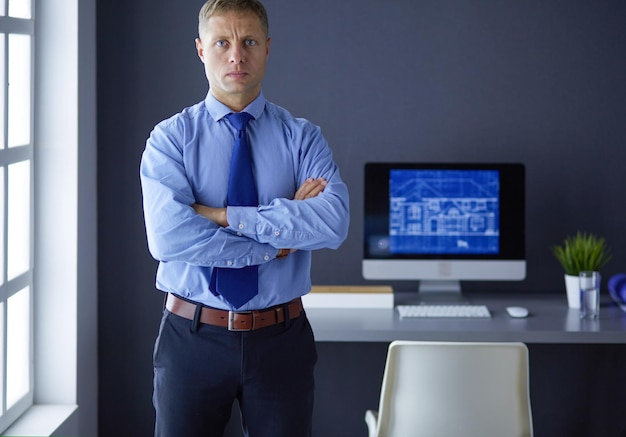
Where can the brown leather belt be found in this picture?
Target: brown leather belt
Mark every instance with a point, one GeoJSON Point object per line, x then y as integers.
{"type": "Point", "coordinates": [234, 320]}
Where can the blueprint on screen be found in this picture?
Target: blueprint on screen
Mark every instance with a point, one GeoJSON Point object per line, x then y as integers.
{"type": "Point", "coordinates": [444, 212]}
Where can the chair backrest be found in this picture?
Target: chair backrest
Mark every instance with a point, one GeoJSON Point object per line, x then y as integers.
{"type": "Point", "coordinates": [442, 389]}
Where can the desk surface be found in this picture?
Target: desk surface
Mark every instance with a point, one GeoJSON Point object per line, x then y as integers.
{"type": "Point", "coordinates": [549, 321]}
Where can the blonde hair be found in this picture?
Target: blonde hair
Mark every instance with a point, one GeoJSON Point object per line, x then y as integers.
{"type": "Point", "coordinates": [217, 7]}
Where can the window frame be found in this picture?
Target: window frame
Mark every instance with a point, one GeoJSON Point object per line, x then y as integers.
{"type": "Point", "coordinates": [65, 219]}
{"type": "Point", "coordinates": [12, 155]}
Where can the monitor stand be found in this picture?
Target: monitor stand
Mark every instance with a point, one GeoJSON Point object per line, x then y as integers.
{"type": "Point", "coordinates": [440, 293]}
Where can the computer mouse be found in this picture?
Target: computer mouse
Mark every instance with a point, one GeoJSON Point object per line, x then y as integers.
{"type": "Point", "coordinates": [517, 312]}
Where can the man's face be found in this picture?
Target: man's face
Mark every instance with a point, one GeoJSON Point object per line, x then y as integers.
{"type": "Point", "coordinates": [234, 50]}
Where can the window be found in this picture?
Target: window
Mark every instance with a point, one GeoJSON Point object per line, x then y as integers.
{"type": "Point", "coordinates": [16, 208]}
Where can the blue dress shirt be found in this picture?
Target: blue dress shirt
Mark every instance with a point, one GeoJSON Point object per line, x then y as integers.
{"type": "Point", "coordinates": [187, 161]}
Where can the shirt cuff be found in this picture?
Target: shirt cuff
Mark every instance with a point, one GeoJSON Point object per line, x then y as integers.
{"type": "Point", "coordinates": [242, 220]}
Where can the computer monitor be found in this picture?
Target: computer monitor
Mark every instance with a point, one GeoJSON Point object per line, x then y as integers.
{"type": "Point", "coordinates": [442, 223]}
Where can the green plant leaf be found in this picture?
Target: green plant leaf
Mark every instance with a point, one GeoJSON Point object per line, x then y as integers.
{"type": "Point", "coordinates": [582, 252]}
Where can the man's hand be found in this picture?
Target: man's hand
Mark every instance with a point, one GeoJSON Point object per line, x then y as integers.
{"type": "Point", "coordinates": [216, 215]}
{"type": "Point", "coordinates": [310, 188]}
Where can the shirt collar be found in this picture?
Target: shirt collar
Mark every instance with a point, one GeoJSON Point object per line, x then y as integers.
{"type": "Point", "coordinates": [218, 110]}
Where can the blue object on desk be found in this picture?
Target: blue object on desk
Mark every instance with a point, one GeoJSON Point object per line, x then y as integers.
{"type": "Point", "coordinates": [617, 289]}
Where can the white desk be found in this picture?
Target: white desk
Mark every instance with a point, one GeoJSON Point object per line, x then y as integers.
{"type": "Point", "coordinates": [550, 321]}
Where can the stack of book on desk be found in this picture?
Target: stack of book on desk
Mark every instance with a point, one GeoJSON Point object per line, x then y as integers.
{"type": "Point", "coordinates": [349, 296]}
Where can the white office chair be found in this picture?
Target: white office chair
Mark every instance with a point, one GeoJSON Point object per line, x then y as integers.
{"type": "Point", "coordinates": [447, 389]}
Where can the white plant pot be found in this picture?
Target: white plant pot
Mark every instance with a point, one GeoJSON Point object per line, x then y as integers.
{"type": "Point", "coordinates": [572, 287]}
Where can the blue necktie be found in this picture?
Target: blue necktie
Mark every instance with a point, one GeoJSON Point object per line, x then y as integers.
{"type": "Point", "coordinates": [239, 285]}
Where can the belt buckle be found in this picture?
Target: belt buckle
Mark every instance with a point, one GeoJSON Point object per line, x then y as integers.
{"type": "Point", "coordinates": [231, 321]}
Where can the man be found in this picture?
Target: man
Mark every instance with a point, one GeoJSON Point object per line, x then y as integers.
{"type": "Point", "coordinates": [253, 344]}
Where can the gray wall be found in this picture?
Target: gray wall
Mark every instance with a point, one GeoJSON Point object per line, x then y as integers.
{"type": "Point", "coordinates": [536, 82]}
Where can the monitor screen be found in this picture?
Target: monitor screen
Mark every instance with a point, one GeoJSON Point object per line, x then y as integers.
{"type": "Point", "coordinates": [442, 223]}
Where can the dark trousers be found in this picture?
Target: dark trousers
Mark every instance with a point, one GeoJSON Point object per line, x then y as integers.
{"type": "Point", "coordinates": [200, 370]}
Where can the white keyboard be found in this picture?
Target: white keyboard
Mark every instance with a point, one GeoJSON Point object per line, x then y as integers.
{"type": "Point", "coordinates": [443, 311]}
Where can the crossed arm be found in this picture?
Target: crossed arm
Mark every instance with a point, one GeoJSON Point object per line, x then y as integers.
{"type": "Point", "coordinates": [310, 188]}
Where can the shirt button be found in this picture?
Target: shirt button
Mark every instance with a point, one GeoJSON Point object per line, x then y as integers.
{"type": "Point", "coordinates": [276, 233]}
{"type": "Point", "coordinates": [229, 263]}
{"type": "Point", "coordinates": [266, 257]}
{"type": "Point", "coordinates": [241, 226]}
{"type": "Point", "coordinates": [239, 234]}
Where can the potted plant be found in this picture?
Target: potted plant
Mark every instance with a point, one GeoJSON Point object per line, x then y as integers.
{"type": "Point", "coordinates": [578, 253]}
